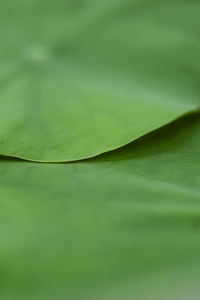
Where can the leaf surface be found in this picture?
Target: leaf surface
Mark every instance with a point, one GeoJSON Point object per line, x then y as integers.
{"type": "Point", "coordinates": [130, 216]}
{"type": "Point", "coordinates": [79, 78]}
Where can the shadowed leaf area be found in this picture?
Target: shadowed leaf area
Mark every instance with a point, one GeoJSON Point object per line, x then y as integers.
{"type": "Point", "coordinates": [105, 228]}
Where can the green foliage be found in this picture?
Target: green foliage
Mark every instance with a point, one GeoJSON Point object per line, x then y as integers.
{"type": "Point", "coordinates": [77, 79]}
{"type": "Point", "coordinates": [122, 216]}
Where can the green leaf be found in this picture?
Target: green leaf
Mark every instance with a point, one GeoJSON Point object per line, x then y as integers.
{"type": "Point", "coordinates": [123, 224]}
{"type": "Point", "coordinates": [79, 78]}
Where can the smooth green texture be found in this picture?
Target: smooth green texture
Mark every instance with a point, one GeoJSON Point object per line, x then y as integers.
{"type": "Point", "coordinates": [78, 78]}
{"type": "Point", "coordinates": [86, 230]}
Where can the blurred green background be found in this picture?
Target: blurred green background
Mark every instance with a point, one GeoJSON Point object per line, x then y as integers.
{"type": "Point", "coordinates": [77, 79]}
